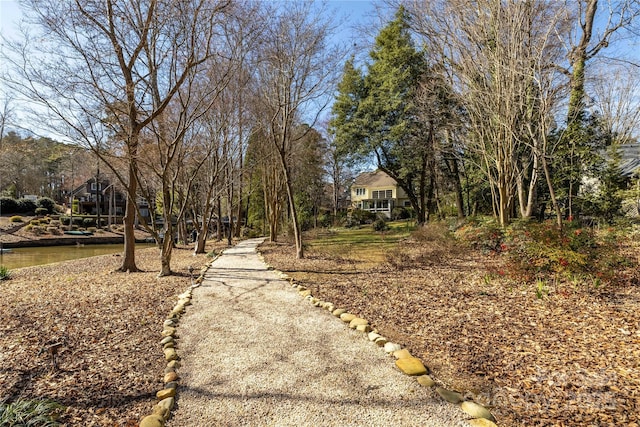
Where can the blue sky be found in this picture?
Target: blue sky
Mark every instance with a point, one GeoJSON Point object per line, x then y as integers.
{"type": "Point", "coordinates": [354, 20]}
{"type": "Point", "coordinates": [9, 14]}
{"type": "Point", "coordinates": [354, 11]}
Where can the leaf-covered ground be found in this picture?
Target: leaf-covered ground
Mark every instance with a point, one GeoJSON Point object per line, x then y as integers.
{"type": "Point", "coordinates": [103, 326]}
{"type": "Point", "coordinates": [571, 358]}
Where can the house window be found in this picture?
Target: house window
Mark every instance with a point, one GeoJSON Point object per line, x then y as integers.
{"type": "Point", "coordinates": [93, 186]}
{"type": "Point", "coordinates": [407, 204]}
{"type": "Point", "coordinates": [360, 191]}
{"type": "Point", "coordinates": [382, 194]}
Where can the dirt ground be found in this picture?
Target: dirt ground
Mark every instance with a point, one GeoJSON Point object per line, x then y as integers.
{"type": "Point", "coordinates": [569, 358]}
{"type": "Point", "coordinates": [105, 327]}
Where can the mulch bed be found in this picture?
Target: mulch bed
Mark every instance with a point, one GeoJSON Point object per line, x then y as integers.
{"type": "Point", "coordinates": [569, 358]}
{"type": "Point", "coordinates": [104, 328]}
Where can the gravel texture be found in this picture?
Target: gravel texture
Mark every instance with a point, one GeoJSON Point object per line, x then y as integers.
{"type": "Point", "coordinates": [255, 353]}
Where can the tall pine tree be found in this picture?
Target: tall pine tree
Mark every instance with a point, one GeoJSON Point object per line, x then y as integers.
{"type": "Point", "coordinates": [376, 114]}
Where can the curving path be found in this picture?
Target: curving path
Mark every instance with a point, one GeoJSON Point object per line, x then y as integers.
{"type": "Point", "coordinates": [254, 353]}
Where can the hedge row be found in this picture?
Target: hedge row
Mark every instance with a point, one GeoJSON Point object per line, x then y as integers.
{"type": "Point", "coordinates": [43, 205]}
{"type": "Point", "coordinates": [83, 221]}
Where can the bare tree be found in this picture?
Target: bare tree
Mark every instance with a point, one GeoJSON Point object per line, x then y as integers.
{"type": "Point", "coordinates": [499, 57]}
{"type": "Point", "coordinates": [337, 169]}
{"type": "Point", "coordinates": [6, 113]}
{"type": "Point", "coordinates": [108, 69]}
{"type": "Point", "coordinates": [616, 98]}
{"type": "Point", "coordinates": [595, 24]}
{"type": "Point", "coordinates": [295, 69]}
{"type": "Point", "coordinates": [262, 160]}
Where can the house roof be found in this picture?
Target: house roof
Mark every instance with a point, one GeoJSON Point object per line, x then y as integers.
{"type": "Point", "coordinates": [376, 178]}
{"type": "Point", "coordinates": [629, 159]}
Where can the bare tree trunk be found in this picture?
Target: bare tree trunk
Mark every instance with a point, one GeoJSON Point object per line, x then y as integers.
{"type": "Point", "coordinates": [166, 250]}
{"type": "Point", "coordinates": [129, 256]}
{"type": "Point", "coordinates": [167, 242]}
{"type": "Point", "coordinates": [297, 232]}
{"type": "Point", "coordinates": [458, 188]}
{"type": "Point", "coordinates": [219, 219]}
{"type": "Point", "coordinates": [532, 187]}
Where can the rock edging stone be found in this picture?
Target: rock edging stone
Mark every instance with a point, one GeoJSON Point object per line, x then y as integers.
{"type": "Point", "coordinates": [161, 412]}
{"type": "Point", "coordinates": [405, 362]}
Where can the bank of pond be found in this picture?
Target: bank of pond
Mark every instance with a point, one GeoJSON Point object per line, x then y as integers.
{"type": "Point", "coordinates": [29, 256]}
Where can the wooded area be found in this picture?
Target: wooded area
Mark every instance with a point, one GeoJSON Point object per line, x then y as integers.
{"type": "Point", "coordinates": [511, 125]}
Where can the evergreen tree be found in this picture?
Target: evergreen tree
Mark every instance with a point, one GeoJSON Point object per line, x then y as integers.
{"type": "Point", "coordinates": [344, 124]}
{"type": "Point", "coordinates": [377, 114]}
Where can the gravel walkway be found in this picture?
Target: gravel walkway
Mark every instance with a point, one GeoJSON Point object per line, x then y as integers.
{"type": "Point", "coordinates": [255, 353]}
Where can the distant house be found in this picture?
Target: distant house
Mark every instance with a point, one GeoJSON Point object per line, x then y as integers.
{"type": "Point", "coordinates": [629, 167]}
{"type": "Point", "coordinates": [629, 160]}
{"type": "Point", "coordinates": [377, 192]}
{"type": "Point", "coordinates": [110, 199]}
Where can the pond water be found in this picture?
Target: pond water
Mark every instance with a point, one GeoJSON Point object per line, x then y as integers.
{"type": "Point", "coordinates": [26, 257]}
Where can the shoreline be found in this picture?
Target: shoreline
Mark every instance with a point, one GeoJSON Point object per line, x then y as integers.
{"type": "Point", "coordinates": [69, 241]}
{"type": "Point", "coordinates": [109, 365]}
{"type": "Point", "coordinates": [14, 236]}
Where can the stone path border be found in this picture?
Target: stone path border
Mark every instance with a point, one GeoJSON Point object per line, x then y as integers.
{"type": "Point", "coordinates": [166, 397]}
{"type": "Point", "coordinates": [404, 361]}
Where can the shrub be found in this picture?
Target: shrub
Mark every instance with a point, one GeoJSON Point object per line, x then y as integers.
{"type": "Point", "coordinates": [399, 213]}
{"type": "Point", "coordinates": [8, 205]}
{"type": "Point", "coordinates": [434, 233]}
{"type": "Point", "coordinates": [36, 229]}
{"type": "Point", "coordinates": [380, 225]}
{"type": "Point", "coordinates": [16, 218]}
{"type": "Point", "coordinates": [34, 222]}
{"type": "Point", "coordinates": [4, 275]}
{"type": "Point", "coordinates": [350, 223]}
{"type": "Point", "coordinates": [46, 203]}
{"type": "Point", "coordinates": [26, 206]}
{"type": "Point", "coordinates": [359, 216]}
{"type": "Point", "coordinates": [41, 211]}
{"type": "Point", "coordinates": [77, 220]}
{"type": "Point", "coordinates": [88, 222]}
{"type": "Point", "coordinates": [250, 233]}
{"type": "Point", "coordinates": [539, 250]}
{"type": "Point", "coordinates": [430, 244]}
{"type": "Point", "coordinates": [324, 220]}
{"type": "Point", "coordinates": [485, 235]}
{"type": "Point", "coordinates": [41, 413]}
{"type": "Point", "coordinates": [54, 230]}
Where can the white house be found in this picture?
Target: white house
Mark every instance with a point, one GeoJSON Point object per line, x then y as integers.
{"type": "Point", "coordinates": [377, 192]}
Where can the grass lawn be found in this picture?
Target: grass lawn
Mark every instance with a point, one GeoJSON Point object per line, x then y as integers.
{"type": "Point", "coordinates": [360, 244]}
